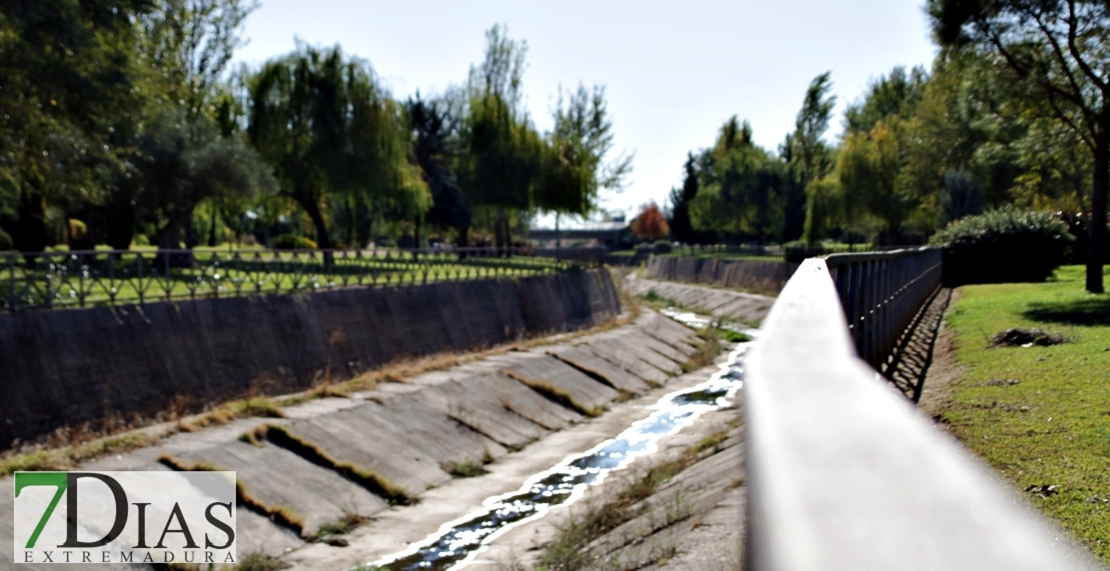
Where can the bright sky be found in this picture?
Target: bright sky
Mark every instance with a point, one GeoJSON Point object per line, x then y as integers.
{"type": "Point", "coordinates": [674, 71]}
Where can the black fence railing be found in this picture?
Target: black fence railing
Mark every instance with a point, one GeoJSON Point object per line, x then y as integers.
{"type": "Point", "coordinates": [50, 280]}
{"type": "Point", "coordinates": [882, 294]}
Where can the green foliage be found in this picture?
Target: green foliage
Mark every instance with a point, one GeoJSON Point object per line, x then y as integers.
{"type": "Point", "coordinates": [182, 161]}
{"type": "Point", "coordinates": [806, 154]}
{"type": "Point", "coordinates": [681, 226]}
{"type": "Point", "coordinates": [824, 209]}
{"type": "Point", "coordinates": [1004, 245]}
{"type": "Point", "coordinates": [895, 94]}
{"type": "Point", "coordinates": [872, 171]}
{"type": "Point", "coordinates": [739, 186]}
{"type": "Point", "coordinates": [573, 169]}
{"type": "Point", "coordinates": [662, 247]}
{"type": "Point", "coordinates": [961, 196]}
{"type": "Point", "coordinates": [326, 127]}
{"type": "Point", "coordinates": [435, 147]}
{"type": "Point", "coordinates": [293, 242]}
{"type": "Point", "coordinates": [465, 469]}
{"type": "Point", "coordinates": [1053, 55]}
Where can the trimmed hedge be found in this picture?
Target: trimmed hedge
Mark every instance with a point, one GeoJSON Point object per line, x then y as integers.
{"type": "Point", "coordinates": [1005, 245]}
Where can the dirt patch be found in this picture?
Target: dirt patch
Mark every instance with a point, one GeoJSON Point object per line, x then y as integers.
{"type": "Point", "coordinates": [1026, 338]}
{"type": "Point", "coordinates": [944, 372]}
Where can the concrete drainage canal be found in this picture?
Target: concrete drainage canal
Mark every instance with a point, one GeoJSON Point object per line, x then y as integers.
{"type": "Point", "coordinates": [457, 542]}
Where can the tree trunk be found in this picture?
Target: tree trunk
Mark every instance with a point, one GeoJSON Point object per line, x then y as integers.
{"type": "Point", "coordinates": [464, 240]}
{"type": "Point", "coordinates": [1097, 229]}
{"type": "Point", "coordinates": [169, 239]}
{"type": "Point", "coordinates": [498, 234]}
{"type": "Point", "coordinates": [323, 240]}
{"type": "Point", "coordinates": [212, 228]}
{"type": "Point", "coordinates": [558, 237]}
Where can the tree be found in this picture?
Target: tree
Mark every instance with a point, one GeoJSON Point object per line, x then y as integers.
{"type": "Point", "coordinates": [188, 44]}
{"type": "Point", "coordinates": [806, 153]}
{"type": "Point", "coordinates": [740, 186]}
{"type": "Point", "coordinates": [68, 102]}
{"type": "Point", "coordinates": [182, 162]}
{"type": "Point", "coordinates": [574, 170]}
{"type": "Point", "coordinates": [870, 170]}
{"type": "Point", "coordinates": [894, 94]}
{"type": "Point", "coordinates": [824, 208]}
{"type": "Point", "coordinates": [504, 151]}
{"type": "Point", "coordinates": [1058, 50]}
{"type": "Point", "coordinates": [650, 223]}
{"type": "Point", "coordinates": [436, 149]}
{"type": "Point", "coordinates": [325, 127]}
{"type": "Point", "coordinates": [681, 227]}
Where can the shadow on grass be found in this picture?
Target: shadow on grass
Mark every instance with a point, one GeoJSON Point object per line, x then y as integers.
{"type": "Point", "coordinates": [1091, 311]}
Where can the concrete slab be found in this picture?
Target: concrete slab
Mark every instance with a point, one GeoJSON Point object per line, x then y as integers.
{"type": "Point", "coordinates": [627, 361]}
{"type": "Point", "coordinates": [482, 412]}
{"type": "Point", "coordinates": [520, 399]}
{"type": "Point", "coordinates": [538, 368]}
{"type": "Point", "coordinates": [625, 346]}
{"type": "Point", "coordinates": [637, 337]}
{"type": "Point", "coordinates": [584, 359]}
{"type": "Point", "coordinates": [340, 437]}
{"type": "Point", "coordinates": [422, 432]}
{"type": "Point", "coordinates": [279, 477]}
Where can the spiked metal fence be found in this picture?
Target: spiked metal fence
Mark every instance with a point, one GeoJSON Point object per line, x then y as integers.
{"type": "Point", "coordinates": [49, 280]}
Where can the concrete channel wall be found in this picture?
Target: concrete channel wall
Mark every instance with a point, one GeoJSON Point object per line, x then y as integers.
{"type": "Point", "coordinates": [410, 434]}
{"type": "Point", "coordinates": [70, 367]}
{"type": "Point", "coordinates": [754, 275]}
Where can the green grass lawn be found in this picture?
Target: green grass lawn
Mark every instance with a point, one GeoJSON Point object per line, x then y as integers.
{"type": "Point", "coordinates": [137, 277]}
{"type": "Point", "coordinates": [1051, 427]}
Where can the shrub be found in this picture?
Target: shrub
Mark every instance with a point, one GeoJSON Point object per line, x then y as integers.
{"type": "Point", "coordinates": [1005, 245]}
{"type": "Point", "coordinates": [644, 249]}
{"type": "Point", "coordinates": [662, 247]}
{"type": "Point", "coordinates": [293, 242]}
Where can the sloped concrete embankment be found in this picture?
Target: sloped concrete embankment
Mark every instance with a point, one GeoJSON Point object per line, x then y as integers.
{"type": "Point", "coordinates": [334, 457]}
{"type": "Point", "coordinates": [767, 277]}
{"type": "Point", "coordinates": [747, 307]}
{"type": "Point", "coordinates": [681, 509]}
{"type": "Point", "coordinates": [93, 365]}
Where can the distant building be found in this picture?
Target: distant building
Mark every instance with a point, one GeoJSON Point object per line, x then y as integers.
{"type": "Point", "coordinates": [603, 233]}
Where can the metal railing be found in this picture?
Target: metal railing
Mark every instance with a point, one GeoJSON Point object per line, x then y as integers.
{"type": "Point", "coordinates": [882, 294]}
{"type": "Point", "coordinates": [50, 280]}
{"type": "Point", "coordinates": [842, 472]}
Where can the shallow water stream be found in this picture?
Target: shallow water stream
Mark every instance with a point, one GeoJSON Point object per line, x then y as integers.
{"type": "Point", "coordinates": [456, 542]}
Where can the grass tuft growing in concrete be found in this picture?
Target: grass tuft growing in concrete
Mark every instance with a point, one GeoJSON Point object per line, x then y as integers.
{"type": "Point", "coordinates": [282, 515]}
{"type": "Point", "coordinates": [68, 457]}
{"type": "Point", "coordinates": [465, 469]}
{"type": "Point", "coordinates": [557, 395]}
{"type": "Point", "coordinates": [1039, 414]}
{"type": "Point", "coordinates": [706, 351]}
{"type": "Point", "coordinates": [365, 477]}
{"type": "Point", "coordinates": [571, 550]}
{"type": "Point", "coordinates": [260, 407]}
{"type": "Point", "coordinates": [257, 561]}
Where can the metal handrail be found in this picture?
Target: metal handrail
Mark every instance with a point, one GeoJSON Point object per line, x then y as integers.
{"type": "Point", "coordinates": [844, 474]}
{"type": "Point", "coordinates": [50, 280]}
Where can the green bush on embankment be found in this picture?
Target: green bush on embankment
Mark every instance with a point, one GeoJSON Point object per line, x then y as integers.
{"type": "Point", "coordinates": [1004, 245]}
